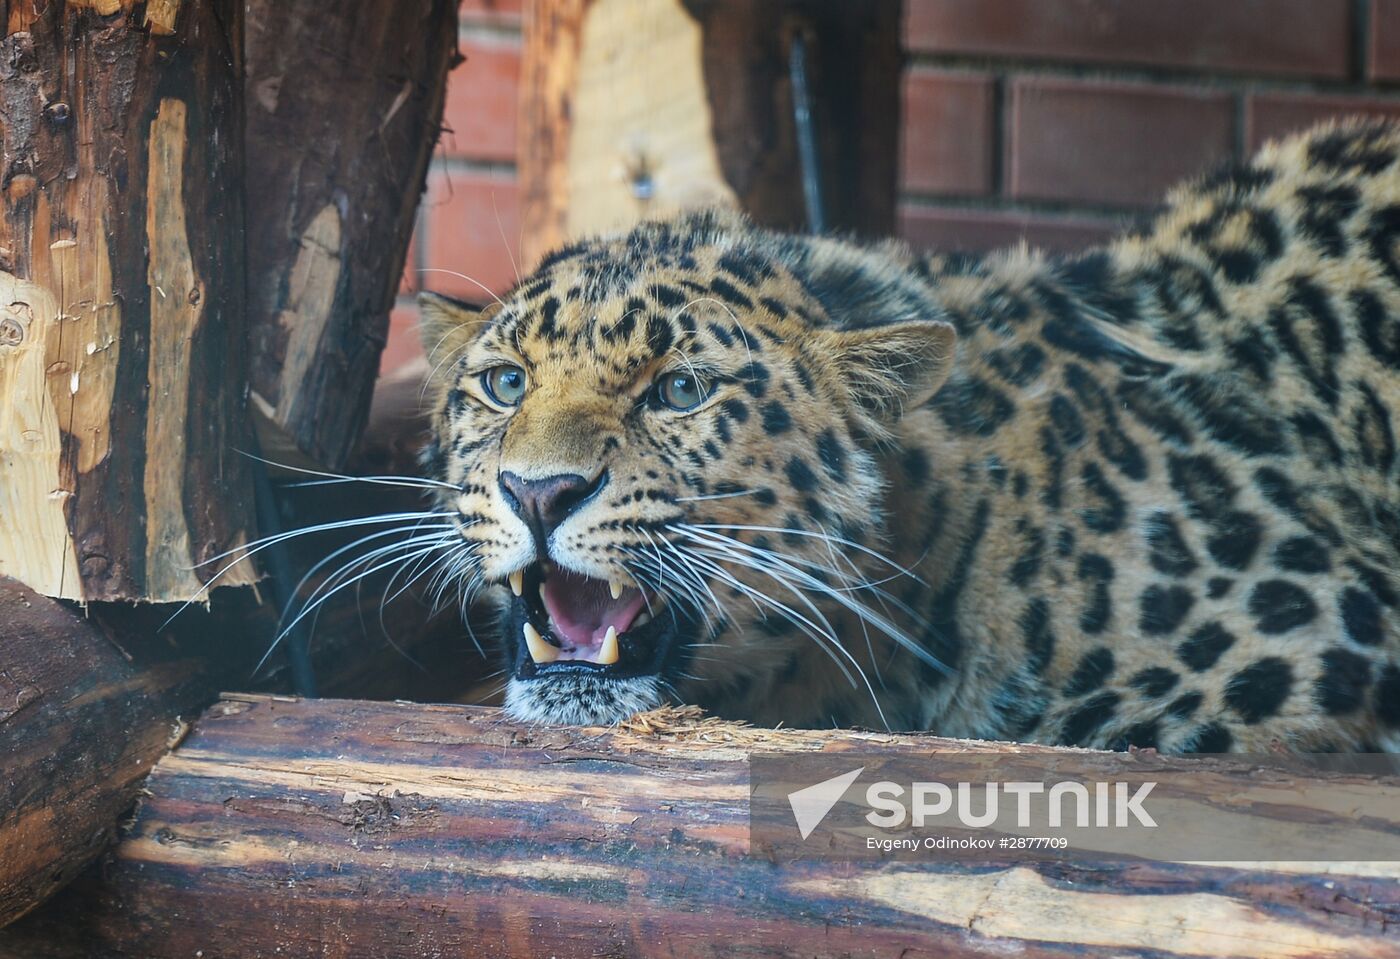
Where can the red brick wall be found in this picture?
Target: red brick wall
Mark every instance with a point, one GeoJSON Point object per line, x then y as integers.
{"type": "Point", "coordinates": [1059, 121]}
{"type": "Point", "coordinates": [468, 233]}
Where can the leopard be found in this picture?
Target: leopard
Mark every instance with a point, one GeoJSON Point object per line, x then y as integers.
{"type": "Point", "coordinates": [1145, 495]}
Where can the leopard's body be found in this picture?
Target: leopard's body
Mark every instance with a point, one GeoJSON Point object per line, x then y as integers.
{"type": "Point", "coordinates": [1156, 500]}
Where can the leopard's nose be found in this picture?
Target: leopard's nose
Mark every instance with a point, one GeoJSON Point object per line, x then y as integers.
{"type": "Point", "coordinates": [546, 502]}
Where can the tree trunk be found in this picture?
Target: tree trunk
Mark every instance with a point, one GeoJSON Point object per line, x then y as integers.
{"type": "Point", "coordinates": [87, 706]}
{"type": "Point", "coordinates": [289, 828]}
{"type": "Point", "coordinates": [639, 108]}
{"type": "Point", "coordinates": [121, 274]}
{"type": "Point", "coordinates": [344, 102]}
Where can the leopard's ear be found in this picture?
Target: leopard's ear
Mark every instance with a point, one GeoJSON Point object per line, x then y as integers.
{"type": "Point", "coordinates": [446, 324]}
{"type": "Point", "coordinates": [893, 368]}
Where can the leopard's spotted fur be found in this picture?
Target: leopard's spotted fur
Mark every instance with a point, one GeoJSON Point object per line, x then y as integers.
{"type": "Point", "coordinates": [1152, 497]}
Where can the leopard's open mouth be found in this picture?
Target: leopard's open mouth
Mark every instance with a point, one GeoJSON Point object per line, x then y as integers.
{"type": "Point", "coordinates": [567, 623]}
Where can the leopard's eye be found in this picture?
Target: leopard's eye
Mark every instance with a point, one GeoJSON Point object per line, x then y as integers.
{"type": "Point", "coordinates": [681, 390]}
{"type": "Point", "coordinates": [504, 384]}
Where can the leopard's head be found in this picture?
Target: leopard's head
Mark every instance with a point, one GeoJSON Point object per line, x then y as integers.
{"type": "Point", "coordinates": [659, 453]}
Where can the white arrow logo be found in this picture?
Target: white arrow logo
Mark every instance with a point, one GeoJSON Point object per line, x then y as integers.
{"type": "Point", "coordinates": [810, 805]}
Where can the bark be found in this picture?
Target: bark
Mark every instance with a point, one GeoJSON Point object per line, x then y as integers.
{"type": "Point", "coordinates": [639, 108]}
{"type": "Point", "coordinates": [291, 828]}
{"type": "Point", "coordinates": [87, 706]}
{"type": "Point", "coordinates": [89, 700]}
{"type": "Point", "coordinates": [344, 102]}
{"type": "Point", "coordinates": [121, 275]}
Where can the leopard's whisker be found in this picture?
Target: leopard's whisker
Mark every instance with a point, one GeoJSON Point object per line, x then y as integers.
{"type": "Point", "coordinates": [759, 598]}
{"type": "Point", "coordinates": [460, 572]}
{"type": "Point", "coordinates": [322, 594]}
{"type": "Point", "coordinates": [504, 242]}
{"type": "Point", "coordinates": [420, 568]}
{"type": "Point", "coordinates": [674, 693]}
{"type": "Point", "coordinates": [884, 595]}
{"type": "Point", "coordinates": [411, 544]}
{"type": "Point", "coordinates": [462, 276]}
{"type": "Point", "coordinates": [726, 308]}
{"type": "Point", "coordinates": [662, 573]}
{"type": "Point", "coordinates": [326, 590]}
{"type": "Point", "coordinates": [660, 563]}
{"type": "Point", "coordinates": [444, 529]}
{"type": "Point", "coordinates": [783, 530]}
{"type": "Point", "coordinates": [765, 563]}
{"type": "Point", "coordinates": [453, 540]}
{"type": "Point", "coordinates": [821, 629]}
{"type": "Point", "coordinates": [407, 482]}
{"type": "Point", "coordinates": [446, 572]}
{"type": "Point", "coordinates": [432, 558]}
{"type": "Point", "coordinates": [441, 580]}
{"type": "Point", "coordinates": [697, 499]}
{"type": "Point", "coordinates": [846, 600]}
{"type": "Point", "coordinates": [824, 635]}
{"type": "Point", "coordinates": [694, 580]}
{"type": "Point", "coordinates": [680, 588]}
{"type": "Point", "coordinates": [438, 367]}
{"type": "Point", "coordinates": [855, 580]}
{"type": "Point", "coordinates": [832, 554]}
{"type": "Point", "coordinates": [328, 477]}
{"type": "Point", "coordinates": [246, 550]}
{"type": "Point", "coordinates": [700, 584]}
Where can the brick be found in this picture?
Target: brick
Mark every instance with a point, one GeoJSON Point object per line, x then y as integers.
{"type": "Point", "coordinates": [1383, 60]}
{"type": "Point", "coordinates": [473, 229]}
{"type": "Point", "coordinates": [404, 345]}
{"type": "Point", "coordinates": [482, 95]}
{"type": "Point", "coordinates": [947, 134]}
{"type": "Point", "coordinates": [1270, 37]}
{"type": "Point", "coordinates": [495, 12]}
{"type": "Point", "coordinates": [1111, 143]}
{"type": "Point", "coordinates": [978, 231]}
{"type": "Point", "coordinates": [1269, 116]}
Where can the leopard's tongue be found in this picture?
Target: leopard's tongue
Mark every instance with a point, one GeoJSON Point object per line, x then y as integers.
{"type": "Point", "coordinates": [581, 609]}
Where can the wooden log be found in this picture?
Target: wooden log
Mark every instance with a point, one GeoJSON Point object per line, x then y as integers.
{"type": "Point", "coordinates": [289, 828]}
{"type": "Point", "coordinates": [89, 700]}
{"type": "Point", "coordinates": [87, 705]}
{"type": "Point", "coordinates": [639, 108]}
{"type": "Point", "coordinates": [121, 274]}
{"type": "Point", "coordinates": [344, 102]}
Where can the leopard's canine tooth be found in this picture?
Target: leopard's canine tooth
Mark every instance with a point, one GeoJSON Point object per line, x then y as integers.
{"type": "Point", "coordinates": [616, 586]}
{"type": "Point", "coordinates": [540, 651]}
{"type": "Point", "coordinates": [517, 582]}
{"type": "Point", "coordinates": [607, 653]}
